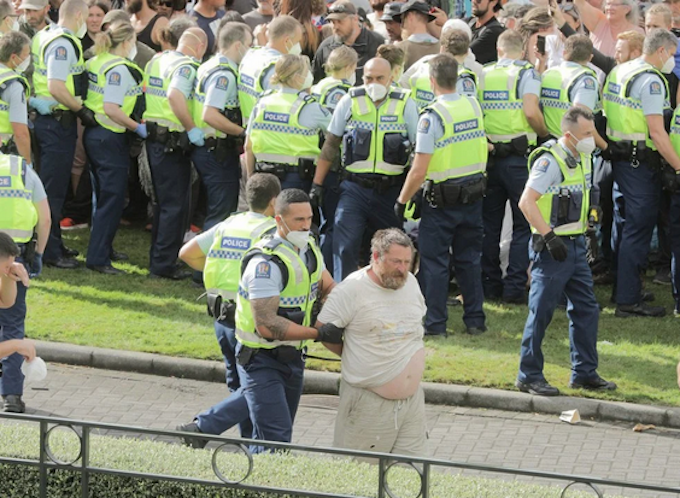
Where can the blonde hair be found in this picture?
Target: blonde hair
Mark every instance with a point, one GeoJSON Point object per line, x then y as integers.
{"type": "Point", "coordinates": [340, 58]}
{"type": "Point", "coordinates": [635, 39]}
{"type": "Point", "coordinates": [119, 32]}
{"type": "Point", "coordinates": [288, 67]}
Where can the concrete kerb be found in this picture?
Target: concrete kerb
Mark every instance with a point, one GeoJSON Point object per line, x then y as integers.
{"type": "Point", "coordinates": [329, 383]}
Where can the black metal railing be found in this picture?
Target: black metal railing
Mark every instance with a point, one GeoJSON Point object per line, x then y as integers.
{"type": "Point", "coordinates": [386, 461]}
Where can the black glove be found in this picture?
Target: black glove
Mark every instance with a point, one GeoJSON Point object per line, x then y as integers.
{"type": "Point", "coordinates": [330, 333]}
{"type": "Point", "coordinates": [399, 210]}
{"type": "Point", "coordinates": [606, 154]}
{"type": "Point", "coordinates": [316, 195]}
{"type": "Point", "coordinates": [670, 178]}
{"type": "Point", "coordinates": [595, 215]}
{"type": "Point", "coordinates": [87, 117]}
{"type": "Point", "coordinates": [556, 246]}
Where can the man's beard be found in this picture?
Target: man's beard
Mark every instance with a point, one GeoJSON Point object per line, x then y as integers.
{"type": "Point", "coordinates": [394, 280]}
{"type": "Point", "coordinates": [134, 6]}
{"type": "Point", "coordinates": [479, 13]}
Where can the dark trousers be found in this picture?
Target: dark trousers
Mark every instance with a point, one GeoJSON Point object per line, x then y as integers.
{"type": "Point", "coordinates": [674, 221]}
{"type": "Point", "coordinates": [57, 147]}
{"type": "Point", "coordinates": [221, 181]}
{"type": "Point", "coordinates": [273, 390]}
{"type": "Point", "coordinates": [506, 180]}
{"type": "Point", "coordinates": [604, 179]}
{"type": "Point", "coordinates": [109, 156]}
{"type": "Point", "coordinates": [458, 227]}
{"type": "Point", "coordinates": [12, 327]}
{"type": "Point", "coordinates": [234, 409]}
{"type": "Point", "coordinates": [358, 208]}
{"type": "Point", "coordinates": [331, 197]}
{"type": "Point", "coordinates": [636, 206]}
{"type": "Point", "coordinates": [171, 175]}
{"type": "Point", "coordinates": [550, 281]}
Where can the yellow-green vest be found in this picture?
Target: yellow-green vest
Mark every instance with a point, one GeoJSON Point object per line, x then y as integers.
{"type": "Point", "coordinates": [18, 215]}
{"type": "Point", "coordinates": [276, 134]}
{"type": "Point", "coordinates": [98, 68]}
{"type": "Point", "coordinates": [231, 108]}
{"type": "Point", "coordinates": [625, 118]}
{"type": "Point", "coordinates": [75, 83]}
{"type": "Point", "coordinates": [421, 89]}
{"type": "Point", "coordinates": [577, 181]}
{"type": "Point", "coordinates": [157, 77]}
{"type": "Point", "coordinates": [388, 119]}
{"type": "Point", "coordinates": [504, 117]}
{"type": "Point", "coordinates": [556, 85]}
{"type": "Point", "coordinates": [253, 67]}
{"type": "Point", "coordinates": [7, 76]}
{"type": "Point", "coordinates": [323, 88]}
{"type": "Point", "coordinates": [462, 150]}
{"type": "Point", "coordinates": [298, 295]}
{"type": "Point", "coordinates": [233, 237]}
{"type": "Point", "coordinates": [674, 134]}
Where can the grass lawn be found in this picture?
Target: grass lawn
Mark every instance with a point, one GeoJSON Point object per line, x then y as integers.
{"type": "Point", "coordinates": [161, 316]}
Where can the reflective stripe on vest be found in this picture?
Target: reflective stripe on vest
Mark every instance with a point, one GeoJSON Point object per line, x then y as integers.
{"type": "Point", "coordinates": [504, 117]}
{"type": "Point", "coordinates": [205, 71]}
{"type": "Point", "coordinates": [7, 76]}
{"type": "Point", "coordinates": [299, 294]}
{"type": "Point", "coordinates": [576, 180]}
{"type": "Point", "coordinates": [252, 68]}
{"type": "Point", "coordinates": [556, 85]}
{"type": "Point", "coordinates": [233, 237]}
{"type": "Point", "coordinates": [462, 150]}
{"type": "Point", "coordinates": [98, 69]}
{"type": "Point", "coordinates": [276, 134]}
{"type": "Point", "coordinates": [18, 215]}
{"type": "Point", "coordinates": [323, 88]}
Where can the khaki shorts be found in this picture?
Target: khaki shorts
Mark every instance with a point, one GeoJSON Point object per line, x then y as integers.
{"type": "Point", "coordinates": [369, 422]}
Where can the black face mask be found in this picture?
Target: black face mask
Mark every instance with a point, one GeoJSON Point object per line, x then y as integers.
{"type": "Point", "coordinates": [676, 31]}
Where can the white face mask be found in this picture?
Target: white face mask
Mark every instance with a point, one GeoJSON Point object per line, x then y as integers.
{"type": "Point", "coordinates": [133, 52]}
{"type": "Point", "coordinates": [309, 81]}
{"type": "Point", "coordinates": [82, 30]}
{"type": "Point", "coordinates": [15, 24]}
{"type": "Point", "coordinates": [299, 238]}
{"type": "Point", "coordinates": [352, 78]}
{"type": "Point", "coordinates": [668, 66]}
{"type": "Point", "coordinates": [295, 49]}
{"type": "Point", "coordinates": [586, 146]}
{"type": "Point", "coordinates": [24, 65]}
{"type": "Point", "coordinates": [376, 91]}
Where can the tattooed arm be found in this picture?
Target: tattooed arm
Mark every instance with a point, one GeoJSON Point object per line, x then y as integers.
{"type": "Point", "coordinates": [272, 326]}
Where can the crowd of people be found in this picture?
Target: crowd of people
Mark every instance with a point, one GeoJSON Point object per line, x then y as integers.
{"type": "Point", "coordinates": [372, 140]}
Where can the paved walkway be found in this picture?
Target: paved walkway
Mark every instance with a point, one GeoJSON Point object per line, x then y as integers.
{"type": "Point", "coordinates": [520, 440]}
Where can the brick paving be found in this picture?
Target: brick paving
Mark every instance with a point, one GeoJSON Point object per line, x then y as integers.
{"type": "Point", "coordinates": [507, 439]}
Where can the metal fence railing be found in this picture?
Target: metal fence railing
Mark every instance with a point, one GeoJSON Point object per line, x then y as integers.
{"type": "Point", "coordinates": [385, 461]}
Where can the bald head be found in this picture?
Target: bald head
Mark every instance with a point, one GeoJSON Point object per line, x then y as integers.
{"type": "Point", "coordinates": [378, 71]}
{"type": "Point", "coordinates": [193, 42]}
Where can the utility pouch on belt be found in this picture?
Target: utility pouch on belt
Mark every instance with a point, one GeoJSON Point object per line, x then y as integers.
{"type": "Point", "coordinates": [29, 249]}
{"type": "Point", "coordinates": [520, 145]}
{"type": "Point", "coordinates": [620, 151]}
{"type": "Point", "coordinates": [65, 118]}
{"type": "Point", "coordinates": [157, 133]}
{"type": "Point", "coordinates": [10, 147]}
{"type": "Point", "coordinates": [537, 242]}
{"type": "Point", "coordinates": [396, 148]}
{"type": "Point", "coordinates": [221, 310]}
{"type": "Point", "coordinates": [306, 168]}
{"type": "Point", "coordinates": [245, 355]}
{"type": "Point", "coordinates": [294, 316]}
{"type": "Point", "coordinates": [563, 204]}
{"type": "Point", "coordinates": [184, 143]}
{"type": "Point", "coordinates": [472, 192]}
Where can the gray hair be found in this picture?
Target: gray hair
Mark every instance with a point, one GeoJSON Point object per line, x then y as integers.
{"type": "Point", "coordinates": [634, 13]}
{"type": "Point", "coordinates": [5, 8]}
{"type": "Point", "coordinates": [12, 43]}
{"type": "Point", "coordinates": [571, 117]}
{"type": "Point", "coordinates": [384, 239]}
{"type": "Point", "coordinates": [232, 32]}
{"type": "Point", "coordinates": [658, 38]}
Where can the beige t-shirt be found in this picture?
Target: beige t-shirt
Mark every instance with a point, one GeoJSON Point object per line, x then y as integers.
{"type": "Point", "coordinates": [383, 327]}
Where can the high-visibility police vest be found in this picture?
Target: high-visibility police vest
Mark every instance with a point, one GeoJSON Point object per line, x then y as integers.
{"type": "Point", "coordinates": [253, 67]}
{"type": "Point", "coordinates": [556, 86]}
{"type": "Point", "coordinates": [386, 120]}
{"type": "Point", "coordinates": [421, 89]}
{"type": "Point", "coordinates": [75, 84]}
{"type": "Point", "coordinates": [157, 77]}
{"type": "Point", "coordinates": [504, 117]}
{"type": "Point", "coordinates": [297, 297]}
{"type": "Point", "coordinates": [323, 89]}
{"type": "Point", "coordinates": [231, 108]}
{"type": "Point", "coordinates": [98, 69]}
{"type": "Point", "coordinates": [462, 150]}
{"type": "Point", "coordinates": [18, 215]}
{"type": "Point", "coordinates": [574, 189]}
{"type": "Point", "coordinates": [674, 133]}
{"type": "Point", "coordinates": [276, 134]}
{"type": "Point", "coordinates": [36, 41]}
{"type": "Point", "coordinates": [234, 236]}
{"type": "Point", "coordinates": [7, 76]}
{"type": "Point", "coordinates": [625, 118]}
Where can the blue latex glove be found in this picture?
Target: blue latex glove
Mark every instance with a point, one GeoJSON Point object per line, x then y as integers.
{"type": "Point", "coordinates": [43, 106]}
{"type": "Point", "coordinates": [36, 266]}
{"type": "Point", "coordinates": [141, 130]}
{"type": "Point", "coordinates": [196, 137]}
{"type": "Point", "coordinates": [30, 165]}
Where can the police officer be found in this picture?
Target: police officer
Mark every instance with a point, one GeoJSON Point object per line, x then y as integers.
{"type": "Point", "coordinates": [15, 57]}
{"type": "Point", "coordinates": [508, 92]}
{"type": "Point", "coordinates": [672, 183]}
{"type": "Point", "coordinates": [257, 67]}
{"type": "Point", "coordinates": [417, 78]}
{"type": "Point", "coordinates": [635, 102]}
{"type": "Point", "coordinates": [115, 97]}
{"type": "Point", "coordinates": [169, 83]}
{"type": "Point", "coordinates": [341, 76]}
{"type": "Point", "coordinates": [217, 113]}
{"type": "Point", "coordinates": [59, 82]}
{"type": "Point", "coordinates": [9, 19]}
{"type": "Point", "coordinates": [451, 154]}
{"type": "Point", "coordinates": [281, 280]}
{"type": "Point", "coordinates": [217, 253]}
{"type": "Point", "coordinates": [23, 210]}
{"type": "Point", "coordinates": [561, 174]}
{"type": "Point", "coordinates": [284, 128]}
{"type": "Point", "coordinates": [377, 127]}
